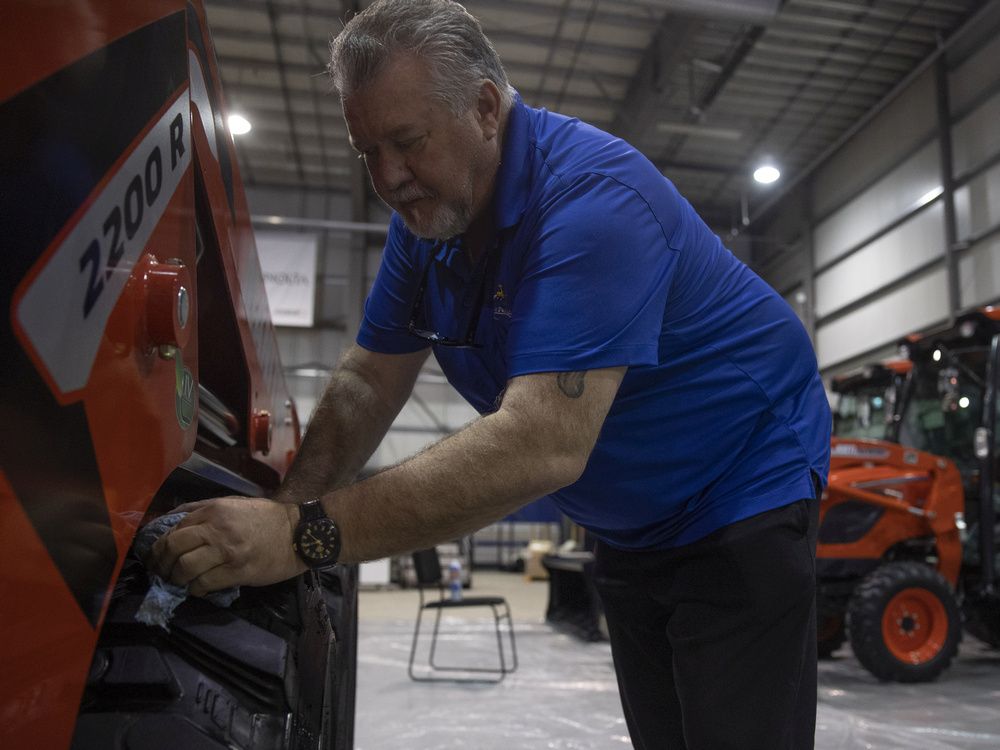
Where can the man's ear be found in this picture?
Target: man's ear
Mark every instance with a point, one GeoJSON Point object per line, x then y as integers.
{"type": "Point", "coordinates": [488, 110]}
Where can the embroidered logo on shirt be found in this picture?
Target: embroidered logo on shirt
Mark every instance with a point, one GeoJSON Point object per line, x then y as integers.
{"type": "Point", "coordinates": [500, 308]}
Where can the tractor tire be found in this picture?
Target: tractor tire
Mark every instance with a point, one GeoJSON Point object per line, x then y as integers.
{"type": "Point", "coordinates": [831, 633]}
{"type": "Point", "coordinates": [904, 623]}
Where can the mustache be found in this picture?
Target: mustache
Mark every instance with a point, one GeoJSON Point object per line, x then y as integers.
{"type": "Point", "coordinates": [409, 193]}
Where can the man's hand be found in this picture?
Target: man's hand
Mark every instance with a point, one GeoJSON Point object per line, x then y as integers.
{"type": "Point", "coordinates": [229, 541]}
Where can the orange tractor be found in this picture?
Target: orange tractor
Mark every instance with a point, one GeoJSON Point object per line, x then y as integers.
{"type": "Point", "coordinates": [139, 370]}
{"type": "Point", "coordinates": [907, 538]}
{"type": "Point", "coordinates": [867, 400]}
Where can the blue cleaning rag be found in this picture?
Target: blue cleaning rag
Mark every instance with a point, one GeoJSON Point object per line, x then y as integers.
{"type": "Point", "coordinates": [163, 597]}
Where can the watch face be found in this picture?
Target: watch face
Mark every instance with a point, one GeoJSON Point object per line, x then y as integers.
{"type": "Point", "coordinates": [318, 541]}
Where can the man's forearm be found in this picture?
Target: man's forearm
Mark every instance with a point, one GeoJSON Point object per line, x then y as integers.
{"type": "Point", "coordinates": [536, 443]}
{"type": "Point", "coordinates": [347, 426]}
{"type": "Point", "coordinates": [343, 434]}
{"type": "Point", "coordinates": [453, 488]}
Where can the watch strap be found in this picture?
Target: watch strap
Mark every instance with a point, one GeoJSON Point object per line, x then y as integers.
{"type": "Point", "coordinates": [311, 510]}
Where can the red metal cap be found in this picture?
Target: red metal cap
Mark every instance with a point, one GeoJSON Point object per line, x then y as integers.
{"type": "Point", "coordinates": [260, 432]}
{"type": "Point", "coordinates": [169, 301]}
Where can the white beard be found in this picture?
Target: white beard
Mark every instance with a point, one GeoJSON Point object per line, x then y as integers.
{"type": "Point", "coordinates": [444, 223]}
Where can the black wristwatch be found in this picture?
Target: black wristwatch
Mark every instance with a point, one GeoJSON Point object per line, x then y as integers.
{"type": "Point", "coordinates": [317, 538]}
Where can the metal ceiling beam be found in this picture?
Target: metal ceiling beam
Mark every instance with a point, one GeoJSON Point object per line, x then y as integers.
{"type": "Point", "coordinates": [791, 118]}
{"type": "Point", "coordinates": [310, 173]}
{"type": "Point", "coordinates": [734, 102]}
{"type": "Point", "coordinates": [847, 39]}
{"type": "Point", "coordinates": [289, 180]}
{"type": "Point", "coordinates": [314, 95]}
{"type": "Point", "coordinates": [750, 76]}
{"type": "Point", "coordinates": [497, 35]}
{"type": "Point", "coordinates": [551, 52]}
{"type": "Point", "coordinates": [577, 48]}
{"type": "Point", "coordinates": [777, 49]}
{"type": "Point", "coordinates": [748, 104]}
{"type": "Point", "coordinates": [667, 166]}
{"type": "Point", "coordinates": [766, 137]}
{"type": "Point", "coordinates": [946, 6]}
{"type": "Point", "coordinates": [803, 91]}
{"type": "Point", "coordinates": [282, 74]}
{"type": "Point", "coordinates": [814, 90]}
{"type": "Point", "coordinates": [263, 101]}
{"type": "Point", "coordinates": [514, 67]}
{"type": "Point", "coordinates": [984, 11]}
{"type": "Point", "coordinates": [865, 27]}
{"type": "Point", "coordinates": [650, 89]}
{"type": "Point", "coordinates": [274, 156]}
{"type": "Point", "coordinates": [272, 140]}
{"type": "Point", "coordinates": [302, 102]}
{"type": "Point", "coordinates": [923, 17]}
{"type": "Point", "coordinates": [775, 66]}
{"type": "Point", "coordinates": [339, 165]}
{"type": "Point", "coordinates": [523, 9]}
{"type": "Point", "coordinates": [743, 11]}
{"type": "Point", "coordinates": [698, 109]}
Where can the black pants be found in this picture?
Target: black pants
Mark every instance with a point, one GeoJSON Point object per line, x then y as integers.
{"type": "Point", "coordinates": [714, 643]}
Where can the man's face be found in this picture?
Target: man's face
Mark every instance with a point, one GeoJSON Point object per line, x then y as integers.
{"type": "Point", "coordinates": [432, 167]}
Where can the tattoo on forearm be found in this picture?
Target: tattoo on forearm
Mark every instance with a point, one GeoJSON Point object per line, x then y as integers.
{"type": "Point", "coordinates": [571, 383]}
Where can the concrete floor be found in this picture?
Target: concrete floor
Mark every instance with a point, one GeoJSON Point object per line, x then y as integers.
{"type": "Point", "coordinates": [564, 696]}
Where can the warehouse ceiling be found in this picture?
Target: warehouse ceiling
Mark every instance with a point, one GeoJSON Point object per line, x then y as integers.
{"type": "Point", "coordinates": [705, 88]}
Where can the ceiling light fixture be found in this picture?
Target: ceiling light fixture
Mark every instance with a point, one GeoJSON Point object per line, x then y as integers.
{"type": "Point", "coordinates": [239, 125]}
{"type": "Point", "coordinates": [696, 130]}
{"type": "Point", "coordinates": [766, 174]}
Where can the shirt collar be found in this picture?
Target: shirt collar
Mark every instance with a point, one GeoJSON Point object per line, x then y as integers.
{"type": "Point", "coordinates": [449, 253]}
{"type": "Point", "coordinates": [513, 177]}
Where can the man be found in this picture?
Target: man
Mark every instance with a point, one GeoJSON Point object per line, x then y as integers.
{"type": "Point", "coordinates": [624, 362]}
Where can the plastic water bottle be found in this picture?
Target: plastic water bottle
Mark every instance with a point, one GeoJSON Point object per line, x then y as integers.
{"type": "Point", "coordinates": [455, 580]}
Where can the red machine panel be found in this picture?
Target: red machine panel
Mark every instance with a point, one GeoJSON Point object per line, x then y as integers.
{"type": "Point", "coordinates": [119, 179]}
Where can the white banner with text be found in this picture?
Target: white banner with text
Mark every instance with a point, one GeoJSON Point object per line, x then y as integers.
{"type": "Point", "coordinates": [288, 261]}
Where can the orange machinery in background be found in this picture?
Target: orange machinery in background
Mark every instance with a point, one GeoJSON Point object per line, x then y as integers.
{"type": "Point", "coordinates": [140, 370]}
{"type": "Point", "coordinates": [908, 533]}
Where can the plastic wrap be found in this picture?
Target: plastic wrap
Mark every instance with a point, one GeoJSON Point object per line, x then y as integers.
{"type": "Point", "coordinates": [564, 697]}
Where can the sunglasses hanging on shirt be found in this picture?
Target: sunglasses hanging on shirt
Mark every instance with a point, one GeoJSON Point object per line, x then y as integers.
{"type": "Point", "coordinates": [439, 339]}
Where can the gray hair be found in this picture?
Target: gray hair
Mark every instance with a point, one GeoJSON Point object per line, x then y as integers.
{"type": "Point", "coordinates": [441, 32]}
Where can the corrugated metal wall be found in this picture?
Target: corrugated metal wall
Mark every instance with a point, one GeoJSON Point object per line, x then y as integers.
{"type": "Point", "coordinates": [871, 250]}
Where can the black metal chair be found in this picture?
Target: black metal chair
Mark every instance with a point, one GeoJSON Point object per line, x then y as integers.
{"type": "Point", "coordinates": [429, 576]}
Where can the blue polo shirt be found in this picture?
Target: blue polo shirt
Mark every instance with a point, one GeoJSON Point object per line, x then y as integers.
{"type": "Point", "coordinates": [599, 262]}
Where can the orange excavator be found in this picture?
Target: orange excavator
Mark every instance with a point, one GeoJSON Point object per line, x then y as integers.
{"type": "Point", "coordinates": [140, 370]}
{"type": "Point", "coordinates": [908, 534]}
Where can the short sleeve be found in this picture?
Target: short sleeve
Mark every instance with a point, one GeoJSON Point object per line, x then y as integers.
{"type": "Point", "coordinates": [387, 309]}
{"type": "Point", "coordinates": [596, 274]}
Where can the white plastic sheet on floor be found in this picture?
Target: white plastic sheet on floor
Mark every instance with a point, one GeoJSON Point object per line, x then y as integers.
{"type": "Point", "coordinates": [564, 697]}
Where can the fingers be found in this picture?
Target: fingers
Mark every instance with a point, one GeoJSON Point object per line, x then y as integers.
{"type": "Point", "coordinates": [170, 547]}
{"type": "Point", "coordinates": [216, 579]}
{"type": "Point", "coordinates": [228, 541]}
{"type": "Point", "coordinates": [187, 559]}
{"type": "Point", "coordinates": [195, 564]}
